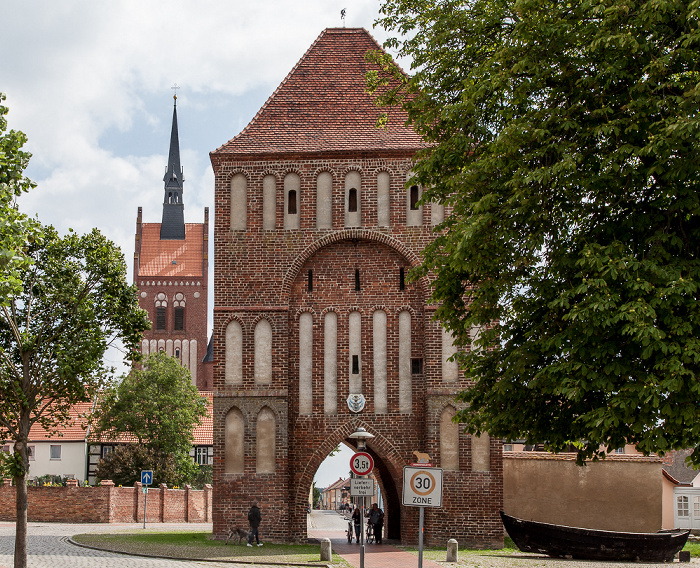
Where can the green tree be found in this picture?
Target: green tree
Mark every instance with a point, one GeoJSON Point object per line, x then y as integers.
{"type": "Point", "coordinates": [158, 407]}
{"type": "Point", "coordinates": [564, 143]}
{"type": "Point", "coordinates": [16, 229]}
{"type": "Point", "coordinates": [73, 302]}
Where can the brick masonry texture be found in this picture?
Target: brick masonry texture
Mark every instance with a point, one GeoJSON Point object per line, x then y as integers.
{"type": "Point", "coordinates": [110, 504]}
{"type": "Point", "coordinates": [264, 274]}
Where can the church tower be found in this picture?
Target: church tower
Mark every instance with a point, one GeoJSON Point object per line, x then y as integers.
{"type": "Point", "coordinates": [171, 272]}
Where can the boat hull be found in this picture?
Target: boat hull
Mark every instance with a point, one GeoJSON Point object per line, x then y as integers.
{"type": "Point", "coordinates": [591, 544]}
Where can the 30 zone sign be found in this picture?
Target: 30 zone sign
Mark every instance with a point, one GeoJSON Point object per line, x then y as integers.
{"type": "Point", "coordinates": [361, 463]}
{"type": "Point", "coordinates": [422, 486]}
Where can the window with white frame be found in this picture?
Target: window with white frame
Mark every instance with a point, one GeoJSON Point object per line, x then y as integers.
{"type": "Point", "coordinates": [107, 450]}
{"type": "Point", "coordinates": [696, 507]}
{"type": "Point", "coordinates": [55, 452]}
{"type": "Point", "coordinates": [682, 506]}
{"type": "Point", "coordinates": [31, 450]}
{"type": "Point", "coordinates": [202, 455]}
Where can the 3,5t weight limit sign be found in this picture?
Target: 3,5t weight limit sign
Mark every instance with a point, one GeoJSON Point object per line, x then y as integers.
{"type": "Point", "coordinates": [422, 486]}
{"type": "Point", "coordinates": [361, 463]}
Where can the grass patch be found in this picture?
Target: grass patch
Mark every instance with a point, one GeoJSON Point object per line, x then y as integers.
{"type": "Point", "coordinates": [694, 548]}
{"type": "Point", "coordinates": [200, 545]}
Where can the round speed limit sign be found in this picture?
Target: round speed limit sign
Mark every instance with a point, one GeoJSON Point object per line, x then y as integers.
{"type": "Point", "coordinates": [422, 486]}
{"type": "Point", "coordinates": [361, 463]}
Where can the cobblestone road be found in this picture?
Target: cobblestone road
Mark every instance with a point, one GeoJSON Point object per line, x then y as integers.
{"type": "Point", "coordinates": [48, 547]}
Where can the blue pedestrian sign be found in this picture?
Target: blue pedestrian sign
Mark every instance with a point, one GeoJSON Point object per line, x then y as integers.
{"type": "Point", "coordinates": [146, 476]}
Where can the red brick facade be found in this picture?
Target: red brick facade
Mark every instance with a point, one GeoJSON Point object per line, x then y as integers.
{"type": "Point", "coordinates": [279, 274]}
{"type": "Point", "coordinates": [171, 268]}
{"type": "Point", "coordinates": [110, 504]}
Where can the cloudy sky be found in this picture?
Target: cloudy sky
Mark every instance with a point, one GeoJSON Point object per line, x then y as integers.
{"type": "Point", "coordinates": [90, 84]}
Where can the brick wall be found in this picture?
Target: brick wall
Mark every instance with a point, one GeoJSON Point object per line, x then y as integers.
{"type": "Point", "coordinates": [264, 273]}
{"type": "Point", "coordinates": [109, 504]}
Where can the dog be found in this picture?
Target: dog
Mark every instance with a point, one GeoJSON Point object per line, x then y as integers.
{"type": "Point", "coordinates": [237, 534]}
{"type": "Point", "coordinates": [421, 457]}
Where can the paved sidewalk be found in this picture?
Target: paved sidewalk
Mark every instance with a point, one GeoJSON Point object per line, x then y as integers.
{"type": "Point", "coordinates": [328, 524]}
{"type": "Point", "coordinates": [48, 547]}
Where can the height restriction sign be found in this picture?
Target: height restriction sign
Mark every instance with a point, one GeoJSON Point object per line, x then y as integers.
{"type": "Point", "coordinates": [422, 486]}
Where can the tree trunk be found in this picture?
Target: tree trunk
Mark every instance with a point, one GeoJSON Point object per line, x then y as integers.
{"type": "Point", "coordinates": [21, 507]}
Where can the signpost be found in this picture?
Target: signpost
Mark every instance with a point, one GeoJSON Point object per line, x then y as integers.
{"type": "Point", "coordinates": [422, 487]}
{"type": "Point", "coordinates": [146, 480]}
{"type": "Point", "coordinates": [361, 463]}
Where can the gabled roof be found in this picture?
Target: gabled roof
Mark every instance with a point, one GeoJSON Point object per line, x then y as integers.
{"type": "Point", "coordinates": [337, 484]}
{"type": "Point", "coordinates": [157, 256]}
{"type": "Point", "coordinates": [674, 465]}
{"type": "Point", "coordinates": [73, 431]}
{"type": "Point", "coordinates": [322, 105]}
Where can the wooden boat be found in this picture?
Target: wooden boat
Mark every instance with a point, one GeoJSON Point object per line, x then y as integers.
{"type": "Point", "coordinates": [591, 544]}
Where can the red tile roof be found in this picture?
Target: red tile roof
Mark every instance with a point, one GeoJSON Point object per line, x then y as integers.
{"type": "Point", "coordinates": [322, 105]}
{"type": "Point", "coordinates": [73, 431]}
{"type": "Point", "coordinates": [157, 256]}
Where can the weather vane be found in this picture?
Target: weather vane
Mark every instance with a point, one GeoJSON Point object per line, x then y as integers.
{"type": "Point", "coordinates": [342, 16]}
{"type": "Point", "coordinates": [175, 87]}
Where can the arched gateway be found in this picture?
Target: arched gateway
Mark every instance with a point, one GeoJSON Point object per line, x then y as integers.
{"type": "Point", "coordinates": [317, 328]}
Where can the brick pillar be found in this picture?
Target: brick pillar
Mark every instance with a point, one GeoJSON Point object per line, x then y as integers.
{"type": "Point", "coordinates": [107, 486]}
{"type": "Point", "coordinates": [6, 482]}
{"type": "Point", "coordinates": [138, 502]}
{"type": "Point", "coordinates": [72, 483]}
{"type": "Point", "coordinates": [207, 503]}
{"type": "Point", "coordinates": [163, 497]}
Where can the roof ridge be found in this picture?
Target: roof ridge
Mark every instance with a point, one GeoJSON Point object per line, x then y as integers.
{"type": "Point", "coordinates": [272, 96]}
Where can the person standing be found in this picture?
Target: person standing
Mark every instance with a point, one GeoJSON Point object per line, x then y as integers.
{"type": "Point", "coordinates": [376, 519]}
{"type": "Point", "coordinates": [254, 519]}
{"type": "Point", "coordinates": [356, 516]}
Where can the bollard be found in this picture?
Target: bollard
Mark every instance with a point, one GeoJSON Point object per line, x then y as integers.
{"type": "Point", "coordinates": [326, 550]}
{"type": "Point", "coordinates": [452, 550]}
{"type": "Point", "coordinates": [684, 556]}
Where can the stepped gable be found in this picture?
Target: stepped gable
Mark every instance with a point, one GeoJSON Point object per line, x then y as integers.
{"type": "Point", "coordinates": [322, 105]}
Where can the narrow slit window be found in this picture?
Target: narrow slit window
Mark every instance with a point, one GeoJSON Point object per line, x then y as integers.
{"type": "Point", "coordinates": [414, 198]}
{"type": "Point", "coordinates": [310, 284]}
{"type": "Point", "coordinates": [352, 200]}
{"type": "Point", "coordinates": [179, 319]}
{"type": "Point", "coordinates": [160, 318]}
{"type": "Point", "coordinates": [292, 202]}
{"type": "Point", "coordinates": [355, 364]}
{"type": "Point", "coordinates": [357, 280]}
{"type": "Point", "coordinates": [402, 279]}
{"type": "Point", "coordinates": [416, 366]}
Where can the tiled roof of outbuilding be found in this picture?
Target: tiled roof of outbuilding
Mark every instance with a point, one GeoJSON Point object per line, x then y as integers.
{"type": "Point", "coordinates": [322, 105]}
{"type": "Point", "coordinates": [157, 256]}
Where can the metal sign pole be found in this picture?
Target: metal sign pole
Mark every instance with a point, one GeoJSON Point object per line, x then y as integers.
{"type": "Point", "coordinates": [420, 538]}
{"type": "Point", "coordinates": [145, 502]}
{"type": "Point", "coordinates": [362, 534]}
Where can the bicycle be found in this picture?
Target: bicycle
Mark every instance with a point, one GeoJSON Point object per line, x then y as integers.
{"type": "Point", "coordinates": [369, 537]}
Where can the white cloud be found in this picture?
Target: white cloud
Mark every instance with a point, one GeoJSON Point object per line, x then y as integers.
{"type": "Point", "coordinates": [89, 83]}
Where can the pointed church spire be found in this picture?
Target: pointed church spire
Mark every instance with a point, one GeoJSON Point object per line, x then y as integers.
{"type": "Point", "coordinates": [173, 224]}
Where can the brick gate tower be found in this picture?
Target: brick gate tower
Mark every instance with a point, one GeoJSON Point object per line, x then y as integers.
{"type": "Point", "coordinates": [171, 272]}
{"type": "Point", "coordinates": [316, 227]}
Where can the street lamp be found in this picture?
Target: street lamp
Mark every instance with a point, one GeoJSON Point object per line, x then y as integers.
{"type": "Point", "coordinates": [361, 435]}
